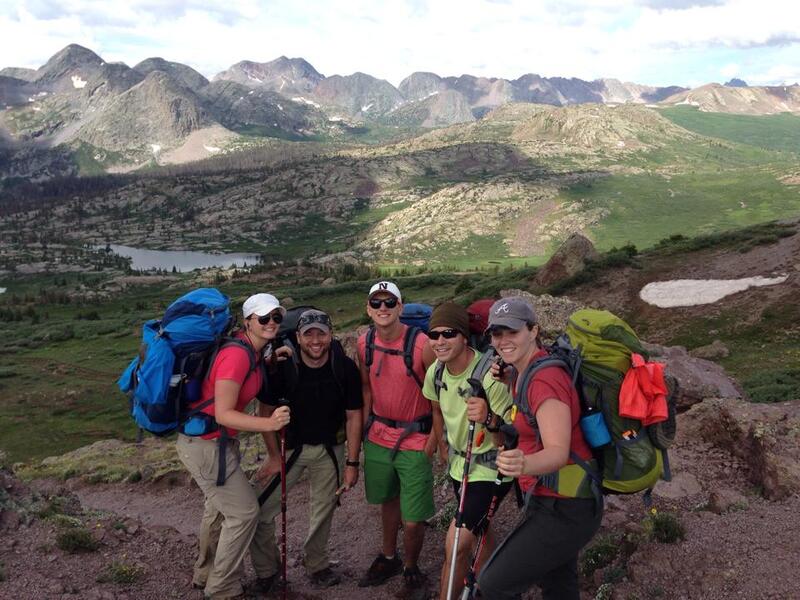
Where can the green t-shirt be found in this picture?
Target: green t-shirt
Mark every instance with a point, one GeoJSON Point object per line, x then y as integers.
{"type": "Point", "coordinates": [454, 409]}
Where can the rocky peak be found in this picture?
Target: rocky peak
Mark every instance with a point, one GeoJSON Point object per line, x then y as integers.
{"type": "Point", "coordinates": [181, 73]}
{"type": "Point", "coordinates": [736, 82]}
{"type": "Point", "coordinates": [19, 73]}
{"type": "Point", "coordinates": [420, 85]}
{"type": "Point", "coordinates": [284, 75]}
{"type": "Point", "coordinates": [74, 60]}
{"type": "Point", "coordinates": [359, 94]}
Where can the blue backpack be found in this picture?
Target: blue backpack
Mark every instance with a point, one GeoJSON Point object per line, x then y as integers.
{"type": "Point", "coordinates": [165, 379]}
{"type": "Point", "coordinates": [417, 315]}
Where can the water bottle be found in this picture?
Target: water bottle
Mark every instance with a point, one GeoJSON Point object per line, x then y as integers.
{"type": "Point", "coordinates": [594, 429]}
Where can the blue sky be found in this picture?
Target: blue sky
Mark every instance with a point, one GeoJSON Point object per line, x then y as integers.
{"type": "Point", "coordinates": [655, 42]}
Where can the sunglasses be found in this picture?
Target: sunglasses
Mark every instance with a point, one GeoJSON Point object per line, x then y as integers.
{"type": "Point", "coordinates": [447, 334]}
{"type": "Point", "coordinates": [388, 302]}
{"type": "Point", "coordinates": [277, 317]}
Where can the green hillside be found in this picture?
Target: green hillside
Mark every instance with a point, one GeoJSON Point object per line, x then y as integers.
{"type": "Point", "coordinates": [773, 132]}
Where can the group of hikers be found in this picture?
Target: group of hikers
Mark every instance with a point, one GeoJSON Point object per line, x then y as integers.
{"type": "Point", "coordinates": [408, 396]}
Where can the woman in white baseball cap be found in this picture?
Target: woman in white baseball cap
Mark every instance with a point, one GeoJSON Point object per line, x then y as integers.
{"type": "Point", "coordinates": [234, 379]}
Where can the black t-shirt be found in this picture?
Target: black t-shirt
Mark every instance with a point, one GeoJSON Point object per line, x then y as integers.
{"type": "Point", "coordinates": [318, 401]}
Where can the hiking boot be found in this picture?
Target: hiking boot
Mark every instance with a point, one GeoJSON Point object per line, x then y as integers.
{"type": "Point", "coordinates": [414, 582]}
{"type": "Point", "coordinates": [261, 585]}
{"type": "Point", "coordinates": [380, 570]}
{"type": "Point", "coordinates": [324, 578]}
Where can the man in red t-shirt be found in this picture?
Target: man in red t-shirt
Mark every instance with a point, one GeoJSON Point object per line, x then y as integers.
{"type": "Point", "coordinates": [399, 443]}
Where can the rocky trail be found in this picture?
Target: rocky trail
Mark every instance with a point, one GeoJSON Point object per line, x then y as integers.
{"type": "Point", "coordinates": [734, 492]}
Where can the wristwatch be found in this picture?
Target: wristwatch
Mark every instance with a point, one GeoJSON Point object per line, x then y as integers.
{"type": "Point", "coordinates": [489, 421]}
{"type": "Point", "coordinates": [352, 463]}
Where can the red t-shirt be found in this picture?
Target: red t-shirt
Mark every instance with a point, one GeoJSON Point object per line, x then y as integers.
{"type": "Point", "coordinates": [395, 394]}
{"type": "Point", "coordinates": [232, 364]}
{"type": "Point", "coordinates": [549, 383]}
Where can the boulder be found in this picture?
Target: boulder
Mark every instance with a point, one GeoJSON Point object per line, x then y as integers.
{"type": "Point", "coordinates": [713, 351]}
{"type": "Point", "coordinates": [763, 436]}
{"type": "Point", "coordinates": [697, 378]}
{"type": "Point", "coordinates": [724, 500]}
{"type": "Point", "coordinates": [569, 259]}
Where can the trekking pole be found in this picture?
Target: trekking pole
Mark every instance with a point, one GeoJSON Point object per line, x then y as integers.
{"type": "Point", "coordinates": [283, 512]}
{"type": "Point", "coordinates": [511, 438]}
{"type": "Point", "coordinates": [460, 513]}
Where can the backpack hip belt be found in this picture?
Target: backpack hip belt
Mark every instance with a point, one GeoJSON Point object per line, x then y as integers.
{"type": "Point", "coordinates": [423, 424]}
{"type": "Point", "coordinates": [485, 459]}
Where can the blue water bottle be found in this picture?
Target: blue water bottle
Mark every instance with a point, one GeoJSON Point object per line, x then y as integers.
{"type": "Point", "coordinates": [594, 429]}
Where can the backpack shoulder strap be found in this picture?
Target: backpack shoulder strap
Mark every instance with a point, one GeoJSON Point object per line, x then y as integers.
{"type": "Point", "coordinates": [369, 347]}
{"type": "Point", "coordinates": [525, 380]}
{"type": "Point", "coordinates": [438, 382]}
{"type": "Point", "coordinates": [481, 369]}
{"type": "Point", "coordinates": [228, 342]}
{"type": "Point", "coordinates": [408, 352]}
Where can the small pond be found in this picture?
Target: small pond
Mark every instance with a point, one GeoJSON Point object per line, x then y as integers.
{"type": "Point", "coordinates": [182, 260]}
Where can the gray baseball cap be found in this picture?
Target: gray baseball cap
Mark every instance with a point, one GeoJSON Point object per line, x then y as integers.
{"type": "Point", "coordinates": [313, 318]}
{"type": "Point", "coordinates": [513, 312]}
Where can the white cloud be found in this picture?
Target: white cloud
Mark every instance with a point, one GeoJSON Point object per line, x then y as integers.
{"type": "Point", "coordinates": [650, 41]}
{"type": "Point", "coordinates": [730, 70]}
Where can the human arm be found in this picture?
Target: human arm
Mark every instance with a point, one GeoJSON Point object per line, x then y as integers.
{"type": "Point", "coordinates": [353, 428]}
{"type": "Point", "coordinates": [272, 464]}
{"type": "Point", "coordinates": [438, 431]}
{"type": "Point", "coordinates": [553, 419]}
{"type": "Point", "coordinates": [226, 394]}
{"type": "Point", "coordinates": [366, 391]}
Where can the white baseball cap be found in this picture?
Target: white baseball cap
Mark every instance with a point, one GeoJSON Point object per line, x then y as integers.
{"type": "Point", "coordinates": [260, 305]}
{"type": "Point", "coordinates": [385, 286]}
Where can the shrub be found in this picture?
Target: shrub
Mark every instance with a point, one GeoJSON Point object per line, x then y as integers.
{"type": "Point", "coordinates": [120, 573]}
{"type": "Point", "coordinates": [601, 553]}
{"type": "Point", "coordinates": [76, 540]}
{"type": "Point", "coordinates": [773, 386]}
{"type": "Point", "coordinates": [664, 528]}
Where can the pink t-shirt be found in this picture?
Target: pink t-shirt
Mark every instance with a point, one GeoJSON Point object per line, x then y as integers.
{"type": "Point", "coordinates": [395, 394]}
{"type": "Point", "coordinates": [551, 382]}
{"type": "Point", "coordinates": [233, 364]}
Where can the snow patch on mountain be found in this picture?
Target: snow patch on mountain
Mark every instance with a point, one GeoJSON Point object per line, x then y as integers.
{"type": "Point", "coordinates": [693, 292]}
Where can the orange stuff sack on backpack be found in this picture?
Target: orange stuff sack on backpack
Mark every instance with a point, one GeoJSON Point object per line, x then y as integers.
{"type": "Point", "coordinates": [643, 394]}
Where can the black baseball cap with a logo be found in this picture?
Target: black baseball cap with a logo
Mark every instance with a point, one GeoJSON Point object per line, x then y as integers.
{"type": "Point", "coordinates": [513, 312]}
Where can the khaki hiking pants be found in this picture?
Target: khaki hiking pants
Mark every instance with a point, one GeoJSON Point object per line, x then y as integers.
{"type": "Point", "coordinates": [235, 501]}
{"type": "Point", "coordinates": [316, 463]}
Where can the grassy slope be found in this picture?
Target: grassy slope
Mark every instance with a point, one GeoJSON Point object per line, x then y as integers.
{"type": "Point", "coordinates": [773, 132]}
{"type": "Point", "coordinates": [691, 189]}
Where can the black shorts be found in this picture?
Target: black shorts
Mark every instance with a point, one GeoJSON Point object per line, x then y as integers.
{"type": "Point", "coordinates": [476, 504]}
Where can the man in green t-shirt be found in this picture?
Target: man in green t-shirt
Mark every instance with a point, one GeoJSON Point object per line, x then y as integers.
{"type": "Point", "coordinates": [454, 405]}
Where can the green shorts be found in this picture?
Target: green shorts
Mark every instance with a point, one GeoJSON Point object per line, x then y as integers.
{"type": "Point", "coordinates": [409, 476]}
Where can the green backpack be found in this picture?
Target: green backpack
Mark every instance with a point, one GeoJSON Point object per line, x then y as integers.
{"type": "Point", "coordinates": [596, 352]}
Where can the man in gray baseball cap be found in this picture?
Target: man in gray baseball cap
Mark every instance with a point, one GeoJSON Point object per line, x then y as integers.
{"type": "Point", "coordinates": [512, 313]}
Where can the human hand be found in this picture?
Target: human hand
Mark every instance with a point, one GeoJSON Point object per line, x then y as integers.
{"type": "Point", "coordinates": [350, 478]}
{"type": "Point", "coordinates": [511, 462]}
{"type": "Point", "coordinates": [280, 418]}
{"type": "Point", "coordinates": [477, 409]}
{"type": "Point", "coordinates": [443, 452]}
{"type": "Point", "coordinates": [271, 467]}
{"type": "Point", "coordinates": [430, 446]}
{"type": "Point", "coordinates": [500, 371]}
{"type": "Point", "coordinates": [282, 353]}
